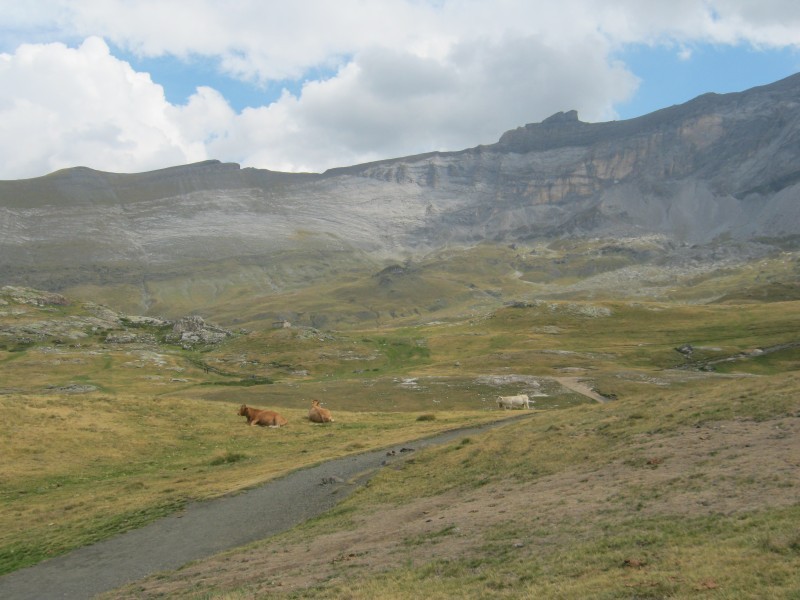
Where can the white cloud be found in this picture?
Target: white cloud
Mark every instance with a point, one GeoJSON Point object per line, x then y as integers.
{"type": "Point", "coordinates": [62, 107]}
{"type": "Point", "coordinates": [255, 39]}
{"type": "Point", "coordinates": [205, 118]}
{"type": "Point", "coordinates": [408, 75]}
{"type": "Point", "coordinates": [768, 23]}
{"type": "Point", "coordinates": [388, 103]}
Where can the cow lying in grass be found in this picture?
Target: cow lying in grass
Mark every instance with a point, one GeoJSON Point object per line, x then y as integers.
{"type": "Point", "coordinates": [511, 402]}
{"type": "Point", "coordinates": [264, 418]}
{"type": "Point", "coordinates": [317, 414]}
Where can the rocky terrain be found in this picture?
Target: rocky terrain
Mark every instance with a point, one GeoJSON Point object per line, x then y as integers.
{"type": "Point", "coordinates": [720, 169]}
{"type": "Point", "coordinates": [21, 326]}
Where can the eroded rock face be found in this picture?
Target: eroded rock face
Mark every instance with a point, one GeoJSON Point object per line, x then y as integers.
{"type": "Point", "coordinates": [720, 165]}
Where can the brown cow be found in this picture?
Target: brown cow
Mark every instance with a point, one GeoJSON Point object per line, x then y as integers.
{"type": "Point", "coordinates": [317, 414]}
{"type": "Point", "coordinates": [257, 416]}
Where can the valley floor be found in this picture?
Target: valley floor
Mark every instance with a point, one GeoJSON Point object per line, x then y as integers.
{"type": "Point", "coordinates": [545, 512]}
{"type": "Point", "coordinates": [210, 527]}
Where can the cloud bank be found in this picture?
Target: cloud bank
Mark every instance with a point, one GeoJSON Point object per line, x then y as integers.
{"type": "Point", "coordinates": [400, 76]}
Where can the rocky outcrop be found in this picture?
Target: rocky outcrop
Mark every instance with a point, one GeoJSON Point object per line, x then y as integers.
{"type": "Point", "coordinates": [20, 295]}
{"type": "Point", "coordinates": [193, 330]}
{"type": "Point", "coordinates": [27, 317]}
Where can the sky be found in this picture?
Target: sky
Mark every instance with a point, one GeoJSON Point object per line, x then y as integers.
{"type": "Point", "coordinates": [130, 86]}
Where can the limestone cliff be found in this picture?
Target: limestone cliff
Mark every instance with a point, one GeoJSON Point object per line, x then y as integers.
{"type": "Point", "coordinates": [718, 166]}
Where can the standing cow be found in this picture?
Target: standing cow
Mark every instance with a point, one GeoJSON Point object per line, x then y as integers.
{"type": "Point", "coordinates": [512, 402]}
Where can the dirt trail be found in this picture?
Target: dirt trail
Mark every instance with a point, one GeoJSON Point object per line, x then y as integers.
{"type": "Point", "coordinates": [576, 385]}
{"type": "Point", "coordinates": [207, 528]}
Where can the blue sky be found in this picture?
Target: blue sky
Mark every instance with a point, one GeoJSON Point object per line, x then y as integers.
{"type": "Point", "coordinates": [126, 86]}
{"type": "Point", "coordinates": [181, 77]}
{"type": "Point", "coordinates": [668, 79]}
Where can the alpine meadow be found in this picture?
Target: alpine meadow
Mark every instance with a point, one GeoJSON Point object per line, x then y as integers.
{"type": "Point", "coordinates": [637, 280]}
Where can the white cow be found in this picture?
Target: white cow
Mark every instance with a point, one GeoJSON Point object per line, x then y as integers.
{"type": "Point", "coordinates": [511, 402]}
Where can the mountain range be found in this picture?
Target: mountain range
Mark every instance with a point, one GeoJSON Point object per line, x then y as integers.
{"type": "Point", "coordinates": [720, 170]}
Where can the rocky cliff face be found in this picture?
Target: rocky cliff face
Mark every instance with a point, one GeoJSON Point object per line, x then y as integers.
{"type": "Point", "coordinates": [719, 166]}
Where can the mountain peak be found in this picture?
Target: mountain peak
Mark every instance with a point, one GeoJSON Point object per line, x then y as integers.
{"type": "Point", "coordinates": [571, 116]}
{"type": "Point", "coordinates": [554, 131]}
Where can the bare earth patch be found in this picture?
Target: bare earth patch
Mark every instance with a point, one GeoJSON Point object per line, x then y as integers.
{"type": "Point", "coordinates": [724, 468]}
{"type": "Point", "coordinates": [576, 384]}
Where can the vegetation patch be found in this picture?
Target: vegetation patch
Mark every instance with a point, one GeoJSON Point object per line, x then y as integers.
{"type": "Point", "coordinates": [249, 382]}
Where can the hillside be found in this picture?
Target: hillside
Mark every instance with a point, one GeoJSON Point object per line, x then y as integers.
{"type": "Point", "coordinates": [698, 427]}
{"type": "Point", "coordinates": [674, 496]}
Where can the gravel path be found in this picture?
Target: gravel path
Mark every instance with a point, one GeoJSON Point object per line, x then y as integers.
{"type": "Point", "coordinates": [207, 528]}
{"type": "Point", "coordinates": [575, 384]}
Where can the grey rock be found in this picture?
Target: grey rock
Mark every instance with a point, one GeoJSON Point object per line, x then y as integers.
{"type": "Point", "coordinates": [718, 167]}
{"type": "Point", "coordinates": [193, 330]}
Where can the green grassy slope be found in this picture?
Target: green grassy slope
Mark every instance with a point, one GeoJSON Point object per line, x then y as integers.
{"type": "Point", "coordinates": [442, 337]}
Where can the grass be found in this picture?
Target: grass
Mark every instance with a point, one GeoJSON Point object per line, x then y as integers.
{"type": "Point", "coordinates": [639, 559]}
{"type": "Point", "coordinates": [587, 436]}
{"type": "Point", "coordinates": [83, 484]}
{"type": "Point", "coordinates": [127, 453]}
{"type": "Point", "coordinates": [548, 547]}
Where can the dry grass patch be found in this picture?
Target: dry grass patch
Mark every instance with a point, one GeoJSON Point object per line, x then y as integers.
{"type": "Point", "coordinates": [80, 468]}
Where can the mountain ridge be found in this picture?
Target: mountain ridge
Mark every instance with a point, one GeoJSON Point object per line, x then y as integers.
{"type": "Point", "coordinates": [719, 168]}
{"type": "Point", "coordinates": [567, 124]}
